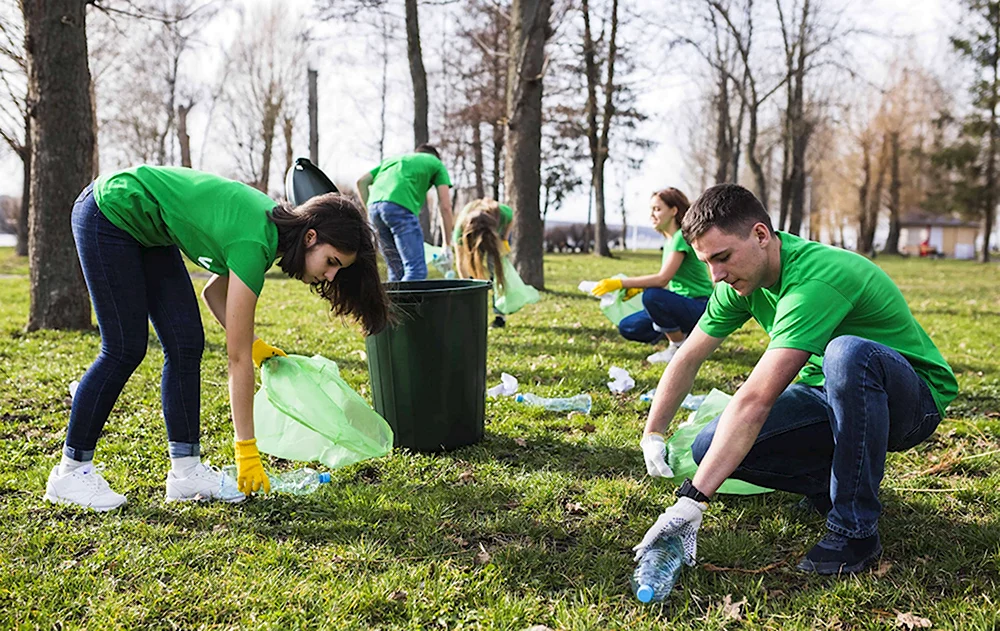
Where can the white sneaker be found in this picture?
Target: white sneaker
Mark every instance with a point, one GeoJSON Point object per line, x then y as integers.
{"type": "Point", "coordinates": [665, 355]}
{"type": "Point", "coordinates": [203, 483]}
{"type": "Point", "coordinates": [84, 486]}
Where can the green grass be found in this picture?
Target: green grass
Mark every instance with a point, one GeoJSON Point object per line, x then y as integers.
{"type": "Point", "coordinates": [397, 543]}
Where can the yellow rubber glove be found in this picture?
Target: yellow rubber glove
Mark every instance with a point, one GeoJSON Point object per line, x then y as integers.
{"type": "Point", "coordinates": [607, 286]}
{"type": "Point", "coordinates": [250, 476]}
{"type": "Point", "coordinates": [504, 247]}
{"type": "Point", "coordinates": [632, 293]}
{"type": "Point", "coordinates": [262, 350]}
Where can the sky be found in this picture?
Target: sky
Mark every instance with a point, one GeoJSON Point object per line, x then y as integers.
{"type": "Point", "coordinates": [349, 83]}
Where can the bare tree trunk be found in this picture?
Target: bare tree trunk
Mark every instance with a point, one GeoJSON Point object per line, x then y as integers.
{"type": "Point", "coordinates": [271, 112]}
{"type": "Point", "coordinates": [21, 248]}
{"type": "Point", "coordinates": [183, 138]}
{"type": "Point", "coordinates": [723, 150]}
{"type": "Point", "coordinates": [95, 128]}
{"type": "Point", "coordinates": [863, 218]}
{"type": "Point", "coordinates": [477, 158]}
{"type": "Point", "coordinates": [755, 163]}
{"type": "Point", "coordinates": [598, 137]}
{"type": "Point", "coordinates": [529, 30]}
{"type": "Point", "coordinates": [417, 74]}
{"type": "Point", "coordinates": [288, 127]}
{"type": "Point", "coordinates": [991, 159]}
{"type": "Point", "coordinates": [892, 241]}
{"type": "Point", "coordinates": [62, 160]}
{"type": "Point", "coordinates": [313, 107]}
{"type": "Point", "coordinates": [498, 153]}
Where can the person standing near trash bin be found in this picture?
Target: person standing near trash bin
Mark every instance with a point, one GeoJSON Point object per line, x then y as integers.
{"type": "Point", "coordinates": [673, 298]}
{"type": "Point", "coordinates": [394, 192]}
{"type": "Point", "coordinates": [870, 380]}
{"type": "Point", "coordinates": [130, 228]}
{"type": "Point", "coordinates": [481, 239]}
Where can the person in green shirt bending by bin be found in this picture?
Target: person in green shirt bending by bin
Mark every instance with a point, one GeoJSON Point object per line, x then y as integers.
{"type": "Point", "coordinates": [481, 239]}
{"type": "Point", "coordinates": [870, 380]}
{"type": "Point", "coordinates": [130, 229]}
{"type": "Point", "coordinates": [673, 298]}
{"type": "Point", "coordinates": [394, 192]}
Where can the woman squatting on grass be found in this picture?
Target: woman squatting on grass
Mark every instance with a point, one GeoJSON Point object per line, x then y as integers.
{"type": "Point", "coordinates": [673, 298]}
{"type": "Point", "coordinates": [130, 229]}
{"type": "Point", "coordinates": [481, 240]}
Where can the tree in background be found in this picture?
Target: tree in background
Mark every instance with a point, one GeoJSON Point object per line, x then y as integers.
{"type": "Point", "coordinates": [62, 158]}
{"type": "Point", "coordinates": [15, 123]}
{"type": "Point", "coordinates": [529, 30]}
{"type": "Point", "coordinates": [979, 44]}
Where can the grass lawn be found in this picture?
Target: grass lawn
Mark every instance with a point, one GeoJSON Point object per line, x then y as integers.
{"type": "Point", "coordinates": [533, 526]}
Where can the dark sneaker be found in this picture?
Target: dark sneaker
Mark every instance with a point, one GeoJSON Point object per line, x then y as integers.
{"type": "Point", "coordinates": [836, 554]}
{"type": "Point", "coordinates": [814, 505]}
{"type": "Point", "coordinates": [499, 322]}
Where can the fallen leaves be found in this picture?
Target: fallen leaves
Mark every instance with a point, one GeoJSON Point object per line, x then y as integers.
{"type": "Point", "coordinates": [883, 569]}
{"type": "Point", "coordinates": [910, 621]}
{"type": "Point", "coordinates": [520, 442]}
{"type": "Point", "coordinates": [575, 508]}
{"type": "Point", "coordinates": [398, 596]}
{"type": "Point", "coordinates": [465, 477]}
{"type": "Point", "coordinates": [731, 610]}
{"type": "Point", "coordinates": [482, 557]}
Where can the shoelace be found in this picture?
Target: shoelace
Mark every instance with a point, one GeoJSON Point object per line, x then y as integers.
{"type": "Point", "coordinates": [91, 477]}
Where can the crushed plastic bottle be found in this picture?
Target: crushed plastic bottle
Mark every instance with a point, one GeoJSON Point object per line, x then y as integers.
{"type": "Point", "coordinates": [299, 482]}
{"type": "Point", "coordinates": [691, 401]}
{"type": "Point", "coordinates": [579, 403]}
{"type": "Point", "coordinates": [658, 569]}
{"type": "Point", "coordinates": [443, 265]}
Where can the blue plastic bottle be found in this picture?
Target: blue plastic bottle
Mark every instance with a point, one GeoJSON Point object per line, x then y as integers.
{"type": "Point", "coordinates": [658, 569]}
{"type": "Point", "coordinates": [579, 403]}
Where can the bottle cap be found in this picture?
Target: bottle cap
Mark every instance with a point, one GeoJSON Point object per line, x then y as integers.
{"type": "Point", "coordinates": [324, 478]}
{"type": "Point", "coordinates": [519, 398]}
{"type": "Point", "coordinates": [644, 593]}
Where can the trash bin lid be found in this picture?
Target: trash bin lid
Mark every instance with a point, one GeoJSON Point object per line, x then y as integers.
{"type": "Point", "coordinates": [436, 286]}
{"type": "Point", "coordinates": [304, 180]}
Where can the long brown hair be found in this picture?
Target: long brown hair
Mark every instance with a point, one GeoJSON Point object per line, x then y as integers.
{"type": "Point", "coordinates": [674, 198]}
{"type": "Point", "coordinates": [356, 290]}
{"type": "Point", "coordinates": [481, 243]}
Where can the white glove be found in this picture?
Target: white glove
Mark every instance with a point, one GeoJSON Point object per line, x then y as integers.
{"type": "Point", "coordinates": [654, 450]}
{"type": "Point", "coordinates": [683, 519]}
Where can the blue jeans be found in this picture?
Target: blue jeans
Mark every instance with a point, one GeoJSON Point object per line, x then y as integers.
{"type": "Point", "coordinates": [401, 241]}
{"type": "Point", "coordinates": [130, 285]}
{"type": "Point", "coordinates": [832, 440]}
{"type": "Point", "coordinates": [664, 312]}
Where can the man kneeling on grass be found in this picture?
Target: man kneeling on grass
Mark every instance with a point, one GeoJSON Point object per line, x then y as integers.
{"type": "Point", "coordinates": [870, 380]}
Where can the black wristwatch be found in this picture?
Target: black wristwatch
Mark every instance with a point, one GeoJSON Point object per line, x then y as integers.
{"type": "Point", "coordinates": [687, 490]}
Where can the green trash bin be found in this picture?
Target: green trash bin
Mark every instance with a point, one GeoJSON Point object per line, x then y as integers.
{"type": "Point", "coordinates": [428, 371]}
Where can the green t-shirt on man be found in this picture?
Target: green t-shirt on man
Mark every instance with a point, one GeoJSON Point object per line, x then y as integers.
{"type": "Point", "coordinates": [405, 180]}
{"type": "Point", "coordinates": [218, 223]}
{"type": "Point", "coordinates": [691, 279]}
{"type": "Point", "coordinates": [825, 292]}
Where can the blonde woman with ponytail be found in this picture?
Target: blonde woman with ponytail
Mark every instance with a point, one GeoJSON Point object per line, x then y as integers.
{"type": "Point", "coordinates": [480, 240]}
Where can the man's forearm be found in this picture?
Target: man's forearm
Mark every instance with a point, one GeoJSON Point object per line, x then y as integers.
{"type": "Point", "coordinates": [674, 385]}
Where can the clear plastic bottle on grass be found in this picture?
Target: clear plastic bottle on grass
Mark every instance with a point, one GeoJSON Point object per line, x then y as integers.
{"type": "Point", "coordinates": [299, 482]}
{"type": "Point", "coordinates": [579, 403]}
{"type": "Point", "coordinates": [658, 569]}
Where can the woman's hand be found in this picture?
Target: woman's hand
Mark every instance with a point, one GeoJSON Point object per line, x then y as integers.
{"type": "Point", "coordinates": [250, 476]}
{"type": "Point", "coordinates": [607, 286]}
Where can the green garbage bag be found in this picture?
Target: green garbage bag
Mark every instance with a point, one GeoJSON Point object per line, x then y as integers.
{"type": "Point", "coordinates": [305, 411]}
{"type": "Point", "coordinates": [514, 293]}
{"type": "Point", "coordinates": [616, 308]}
{"type": "Point", "coordinates": [679, 445]}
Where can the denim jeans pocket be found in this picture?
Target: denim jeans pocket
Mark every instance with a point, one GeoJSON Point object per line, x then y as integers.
{"type": "Point", "coordinates": [917, 434]}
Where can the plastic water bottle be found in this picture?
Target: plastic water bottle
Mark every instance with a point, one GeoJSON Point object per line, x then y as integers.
{"type": "Point", "coordinates": [579, 403]}
{"type": "Point", "coordinates": [691, 402]}
{"type": "Point", "coordinates": [658, 569]}
{"type": "Point", "coordinates": [443, 265]}
{"type": "Point", "coordinates": [299, 482]}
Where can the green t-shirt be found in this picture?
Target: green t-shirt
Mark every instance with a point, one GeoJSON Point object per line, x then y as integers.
{"type": "Point", "coordinates": [506, 218]}
{"type": "Point", "coordinates": [825, 292]}
{"type": "Point", "coordinates": [405, 180]}
{"type": "Point", "coordinates": [219, 224]}
{"type": "Point", "coordinates": [691, 279]}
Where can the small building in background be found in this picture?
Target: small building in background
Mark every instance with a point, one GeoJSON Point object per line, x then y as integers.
{"type": "Point", "coordinates": [941, 235]}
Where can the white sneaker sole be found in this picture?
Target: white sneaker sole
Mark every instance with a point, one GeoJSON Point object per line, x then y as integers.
{"type": "Point", "coordinates": [100, 509]}
{"type": "Point", "coordinates": [203, 498]}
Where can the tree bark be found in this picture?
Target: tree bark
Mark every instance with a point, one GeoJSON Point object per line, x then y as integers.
{"type": "Point", "coordinates": [529, 30]}
{"type": "Point", "coordinates": [21, 248]}
{"type": "Point", "coordinates": [288, 127]}
{"type": "Point", "coordinates": [892, 241]}
{"type": "Point", "coordinates": [62, 158]}
{"type": "Point", "coordinates": [990, 200]}
{"type": "Point", "coordinates": [271, 111]}
{"type": "Point", "coordinates": [417, 74]}
{"type": "Point", "coordinates": [723, 149]}
{"type": "Point", "coordinates": [598, 136]}
{"type": "Point", "coordinates": [477, 157]}
{"type": "Point", "coordinates": [183, 138]}
{"type": "Point", "coordinates": [314, 118]}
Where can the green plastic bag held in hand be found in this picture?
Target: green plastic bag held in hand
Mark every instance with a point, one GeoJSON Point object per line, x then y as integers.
{"type": "Point", "coordinates": [305, 411]}
{"type": "Point", "coordinates": [514, 293]}
{"type": "Point", "coordinates": [620, 308]}
{"type": "Point", "coordinates": [679, 445]}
